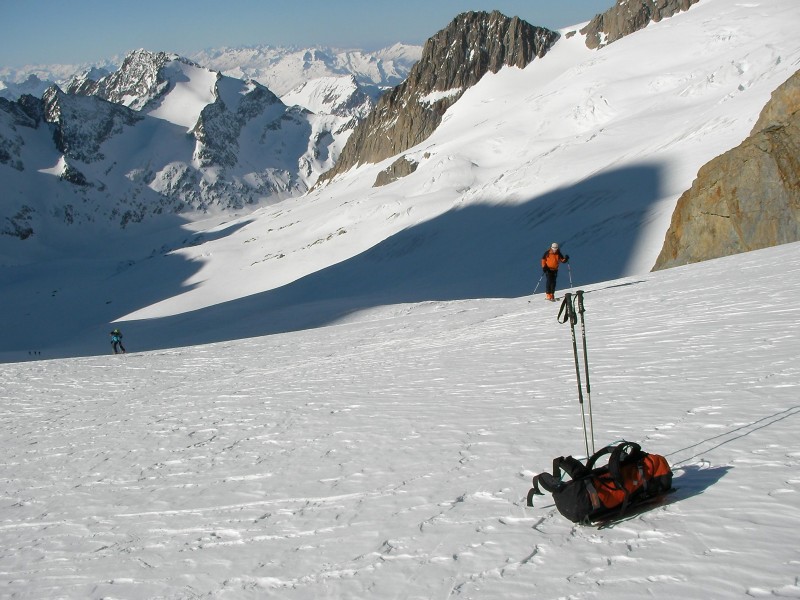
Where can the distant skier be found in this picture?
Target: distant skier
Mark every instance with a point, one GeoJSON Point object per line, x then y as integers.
{"type": "Point", "coordinates": [550, 261]}
{"type": "Point", "coordinates": [116, 342]}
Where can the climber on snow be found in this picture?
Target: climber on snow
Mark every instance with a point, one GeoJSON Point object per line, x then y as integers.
{"type": "Point", "coordinates": [550, 262]}
{"type": "Point", "coordinates": [116, 341]}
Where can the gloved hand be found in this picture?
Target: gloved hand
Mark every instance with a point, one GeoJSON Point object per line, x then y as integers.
{"type": "Point", "coordinates": [566, 258]}
{"type": "Point", "coordinates": [545, 270]}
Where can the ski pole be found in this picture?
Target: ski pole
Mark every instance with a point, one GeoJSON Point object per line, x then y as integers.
{"type": "Point", "coordinates": [537, 284]}
{"type": "Point", "coordinates": [581, 310]}
{"type": "Point", "coordinates": [569, 314]}
{"type": "Point", "coordinates": [569, 270]}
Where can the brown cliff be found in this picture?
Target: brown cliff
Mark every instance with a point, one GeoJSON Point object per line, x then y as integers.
{"type": "Point", "coordinates": [747, 198]}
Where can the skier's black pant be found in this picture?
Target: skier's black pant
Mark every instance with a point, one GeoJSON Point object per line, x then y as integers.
{"type": "Point", "coordinates": [117, 346]}
{"type": "Point", "coordinates": [550, 284]}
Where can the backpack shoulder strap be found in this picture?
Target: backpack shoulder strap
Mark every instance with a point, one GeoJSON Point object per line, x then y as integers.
{"type": "Point", "coordinates": [571, 466]}
{"type": "Point", "coordinates": [623, 453]}
{"type": "Point", "coordinates": [590, 464]}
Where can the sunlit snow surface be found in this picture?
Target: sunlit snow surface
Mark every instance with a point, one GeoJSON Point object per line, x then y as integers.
{"type": "Point", "coordinates": [389, 456]}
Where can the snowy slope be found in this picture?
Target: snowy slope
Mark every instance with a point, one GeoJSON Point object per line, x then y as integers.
{"type": "Point", "coordinates": [331, 96]}
{"type": "Point", "coordinates": [193, 90]}
{"type": "Point", "coordinates": [388, 456]}
{"type": "Point", "coordinates": [588, 148]}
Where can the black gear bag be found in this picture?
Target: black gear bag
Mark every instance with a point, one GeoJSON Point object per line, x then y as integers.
{"type": "Point", "coordinates": [631, 477]}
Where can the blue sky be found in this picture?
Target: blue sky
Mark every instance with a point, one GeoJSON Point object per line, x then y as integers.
{"type": "Point", "coordinates": [83, 31]}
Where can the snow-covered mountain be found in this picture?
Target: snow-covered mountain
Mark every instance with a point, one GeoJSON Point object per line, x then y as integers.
{"type": "Point", "coordinates": [240, 155]}
{"type": "Point", "coordinates": [49, 74]}
{"type": "Point", "coordinates": [590, 148]}
{"type": "Point", "coordinates": [338, 96]}
{"type": "Point", "coordinates": [31, 85]}
{"type": "Point", "coordinates": [279, 68]}
{"type": "Point", "coordinates": [162, 135]}
{"type": "Point", "coordinates": [284, 69]}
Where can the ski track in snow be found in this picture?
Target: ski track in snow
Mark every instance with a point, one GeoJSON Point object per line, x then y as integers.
{"type": "Point", "coordinates": [390, 456]}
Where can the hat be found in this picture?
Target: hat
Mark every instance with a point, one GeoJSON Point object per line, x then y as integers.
{"type": "Point", "coordinates": [554, 246]}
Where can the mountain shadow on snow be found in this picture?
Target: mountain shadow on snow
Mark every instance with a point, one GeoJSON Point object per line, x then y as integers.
{"type": "Point", "coordinates": [479, 251]}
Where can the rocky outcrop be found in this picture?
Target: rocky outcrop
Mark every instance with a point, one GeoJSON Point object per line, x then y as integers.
{"type": "Point", "coordinates": [27, 112]}
{"type": "Point", "coordinates": [628, 16]}
{"type": "Point", "coordinates": [82, 123]}
{"type": "Point", "coordinates": [747, 198]}
{"type": "Point", "coordinates": [219, 125]}
{"type": "Point", "coordinates": [397, 170]}
{"type": "Point", "coordinates": [453, 60]}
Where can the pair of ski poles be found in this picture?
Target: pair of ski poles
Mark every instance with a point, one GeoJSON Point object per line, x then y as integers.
{"type": "Point", "coordinates": [569, 313]}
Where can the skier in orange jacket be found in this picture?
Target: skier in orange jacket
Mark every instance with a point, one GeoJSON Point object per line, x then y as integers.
{"type": "Point", "coordinates": [550, 261]}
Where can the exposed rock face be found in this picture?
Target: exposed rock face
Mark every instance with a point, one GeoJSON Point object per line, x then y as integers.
{"type": "Point", "coordinates": [219, 126]}
{"type": "Point", "coordinates": [27, 112]}
{"type": "Point", "coordinates": [628, 16]}
{"type": "Point", "coordinates": [82, 123]}
{"type": "Point", "coordinates": [747, 198]}
{"type": "Point", "coordinates": [397, 170]}
{"type": "Point", "coordinates": [453, 60]}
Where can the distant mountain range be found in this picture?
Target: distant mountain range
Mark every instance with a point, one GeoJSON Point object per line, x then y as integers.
{"type": "Point", "coordinates": [164, 134]}
{"type": "Point", "coordinates": [281, 69]}
{"type": "Point", "coordinates": [284, 69]}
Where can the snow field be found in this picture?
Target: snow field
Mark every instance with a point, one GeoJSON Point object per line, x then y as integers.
{"type": "Point", "coordinates": [389, 455]}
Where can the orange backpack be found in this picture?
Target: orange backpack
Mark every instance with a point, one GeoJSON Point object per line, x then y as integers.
{"type": "Point", "coordinates": [631, 477]}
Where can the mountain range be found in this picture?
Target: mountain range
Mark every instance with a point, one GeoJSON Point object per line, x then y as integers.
{"type": "Point", "coordinates": [180, 137]}
{"type": "Point", "coordinates": [281, 69]}
{"type": "Point", "coordinates": [172, 198]}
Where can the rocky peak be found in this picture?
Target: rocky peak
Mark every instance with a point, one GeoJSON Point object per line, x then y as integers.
{"type": "Point", "coordinates": [84, 83]}
{"type": "Point", "coordinates": [627, 16]}
{"type": "Point", "coordinates": [453, 60]}
{"type": "Point", "coordinates": [82, 124]}
{"type": "Point", "coordinates": [474, 44]}
{"type": "Point", "coordinates": [139, 80]}
{"type": "Point", "coordinates": [220, 123]}
{"type": "Point", "coordinates": [28, 111]}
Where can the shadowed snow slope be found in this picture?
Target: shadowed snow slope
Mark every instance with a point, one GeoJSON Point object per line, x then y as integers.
{"type": "Point", "coordinates": [389, 456]}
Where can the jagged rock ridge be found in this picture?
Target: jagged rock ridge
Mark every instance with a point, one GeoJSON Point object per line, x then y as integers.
{"type": "Point", "coordinates": [628, 16]}
{"type": "Point", "coordinates": [747, 198]}
{"type": "Point", "coordinates": [82, 124]}
{"type": "Point", "coordinates": [138, 81]}
{"type": "Point", "coordinates": [453, 60]}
